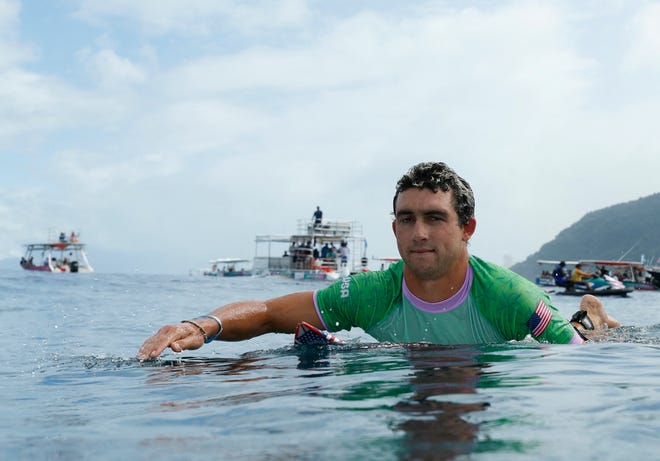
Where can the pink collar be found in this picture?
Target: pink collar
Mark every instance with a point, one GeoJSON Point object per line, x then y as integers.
{"type": "Point", "coordinates": [441, 306]}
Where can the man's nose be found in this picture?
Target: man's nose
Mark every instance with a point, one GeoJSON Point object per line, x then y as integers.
{"type": "Point", "coordinates": [420, 230]}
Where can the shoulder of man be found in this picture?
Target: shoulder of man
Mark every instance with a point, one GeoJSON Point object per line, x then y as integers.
{"type": "Point", "coordinates": [515, 305]}
{"type": "Point", "coordinates": [359, 299]}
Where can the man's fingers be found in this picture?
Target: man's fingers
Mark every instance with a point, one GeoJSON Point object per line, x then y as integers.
{"type": "Point", "coordinates": [177, 337]}
{"type": "Point", "coordinates": [152, 348]}
{"type": "Point", "coordinates": [193, 341]}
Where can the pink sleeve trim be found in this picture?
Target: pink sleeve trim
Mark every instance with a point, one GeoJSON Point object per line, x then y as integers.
{"type": "Point", "coordinates": [576, 339]}
{"type": "Point", "coordinates": [318, 311]}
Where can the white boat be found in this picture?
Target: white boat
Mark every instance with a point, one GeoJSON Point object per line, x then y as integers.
{"type": "Point", "coordinates": [62, 255]}
{"type": "Point", "coordinates": [386, 262]}
{"type": "Point", "coordinates": [229, 267]}
{"type": "Point", "coordinates": [325, 251]}
{"type": "Point", "coordinates": [606, 286]}
{"type": "Point", "coordinates": [655, 274]}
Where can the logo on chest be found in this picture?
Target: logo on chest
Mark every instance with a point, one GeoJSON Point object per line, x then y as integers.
{"type": "Point", "coordinates": [344, 287]}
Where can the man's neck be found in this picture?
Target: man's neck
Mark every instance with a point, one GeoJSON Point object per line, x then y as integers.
{"type": "Point", "coordinates": [440, 288]}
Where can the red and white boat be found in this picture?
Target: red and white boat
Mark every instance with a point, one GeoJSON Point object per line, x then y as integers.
{"type": "Point", "coordinates": [62, 255]}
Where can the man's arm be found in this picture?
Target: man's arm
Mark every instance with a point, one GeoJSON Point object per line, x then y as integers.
{"type": "Point", "coordinates": [240, 320]}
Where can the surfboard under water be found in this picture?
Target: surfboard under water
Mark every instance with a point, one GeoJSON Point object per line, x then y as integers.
{"type": "Point", "coordinates": [307, 334]}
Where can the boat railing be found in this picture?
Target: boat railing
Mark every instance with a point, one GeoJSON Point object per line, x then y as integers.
{"type": "Point", "coordinates": [262, 263]}
{"type": "Point", "coordinates": [330, 228]}
{"type": "Point", "coordinates": [302, 264]}
{"type": "Point", "coordinates": [327, 263]}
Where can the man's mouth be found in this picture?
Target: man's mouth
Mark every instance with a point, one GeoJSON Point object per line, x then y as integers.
{"type": "Point", "coordinates": [422, 250]}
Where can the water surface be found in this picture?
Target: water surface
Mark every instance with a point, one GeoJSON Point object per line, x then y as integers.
{"type": "Point", "coordinates": [72, 389]}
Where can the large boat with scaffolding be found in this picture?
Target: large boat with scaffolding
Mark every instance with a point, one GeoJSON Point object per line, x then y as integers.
{"type": "Point", "coordinates": [66, 254]}
{"type": "Point", "coordinates": [316, 251]}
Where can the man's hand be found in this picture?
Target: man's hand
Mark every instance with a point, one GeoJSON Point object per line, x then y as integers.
{"type": "Point", "coordinates": [181, 337]}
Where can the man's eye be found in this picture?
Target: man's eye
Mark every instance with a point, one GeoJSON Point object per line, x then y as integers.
{"type": "Point", "coordinates": [436, 218]}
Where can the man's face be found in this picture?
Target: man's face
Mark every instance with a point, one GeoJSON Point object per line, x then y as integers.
{"type": "Point", "coordinates": [428, 234]}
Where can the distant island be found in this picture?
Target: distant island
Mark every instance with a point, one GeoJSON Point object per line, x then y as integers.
{"type": "Point", "coordinates": [618, 232]}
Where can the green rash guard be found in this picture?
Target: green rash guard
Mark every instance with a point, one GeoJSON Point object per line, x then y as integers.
{"type": "Point", "coordinates": [493, 306]}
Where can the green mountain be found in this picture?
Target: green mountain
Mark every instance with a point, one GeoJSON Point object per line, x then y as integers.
{"type": "Point", "coordinates": [620, 232]}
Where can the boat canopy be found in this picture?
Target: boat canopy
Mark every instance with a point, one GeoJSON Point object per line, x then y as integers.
{"type": "Point", "coordinates": [554, 263]}
{"type": "Point", "coordinates": [596, 262]}
{"type": "Point", "coordinates": [229, 260]}
{"type": "Point", "coordinates": [54, 246]}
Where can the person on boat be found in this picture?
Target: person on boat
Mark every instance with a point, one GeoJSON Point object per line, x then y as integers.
{"type": "Point", "coordinates": [73, 238]}
{"type": "Point", "coordinates": [437, 293]}
{"type": "Point", "coordinates": [317, 217]}
{"type": "Point", "coordinates": [581, 278]}
{"type": "Point", "coordinates": [344, 251]}
{"type": "Point", "coordinates": [560, 275]}
{"type": "Point", "coordinates": [62, 237]}
{"type": "Point", "coordinates": [325, 250]}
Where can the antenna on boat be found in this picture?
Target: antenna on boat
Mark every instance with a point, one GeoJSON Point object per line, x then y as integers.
{"type": "Point", "coordinates": [629, 250]}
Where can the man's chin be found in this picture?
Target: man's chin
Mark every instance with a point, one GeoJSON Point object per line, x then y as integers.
{"type": "Point", "coordinates": [424, 272]}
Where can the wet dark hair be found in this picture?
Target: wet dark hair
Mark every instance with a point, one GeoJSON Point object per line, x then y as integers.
{"type": "Point", "coordinates": [438, 176]}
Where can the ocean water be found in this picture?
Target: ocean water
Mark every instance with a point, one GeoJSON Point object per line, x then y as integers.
{"type": "Point", "coordinates": [71, 388]}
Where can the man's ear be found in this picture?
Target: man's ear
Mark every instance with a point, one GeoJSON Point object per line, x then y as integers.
{"type": "Point", "coordinates": [468, 229]}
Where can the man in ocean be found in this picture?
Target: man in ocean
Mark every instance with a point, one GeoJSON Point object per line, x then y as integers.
{"type": "Point", "coordinates": [438, 293]}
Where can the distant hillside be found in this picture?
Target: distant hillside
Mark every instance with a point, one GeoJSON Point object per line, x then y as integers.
{"type": "Point", "coordinates": [624, 231]}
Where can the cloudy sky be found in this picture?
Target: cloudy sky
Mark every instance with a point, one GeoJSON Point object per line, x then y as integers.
{"type": "Point", "coordinates": [170, 132]}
